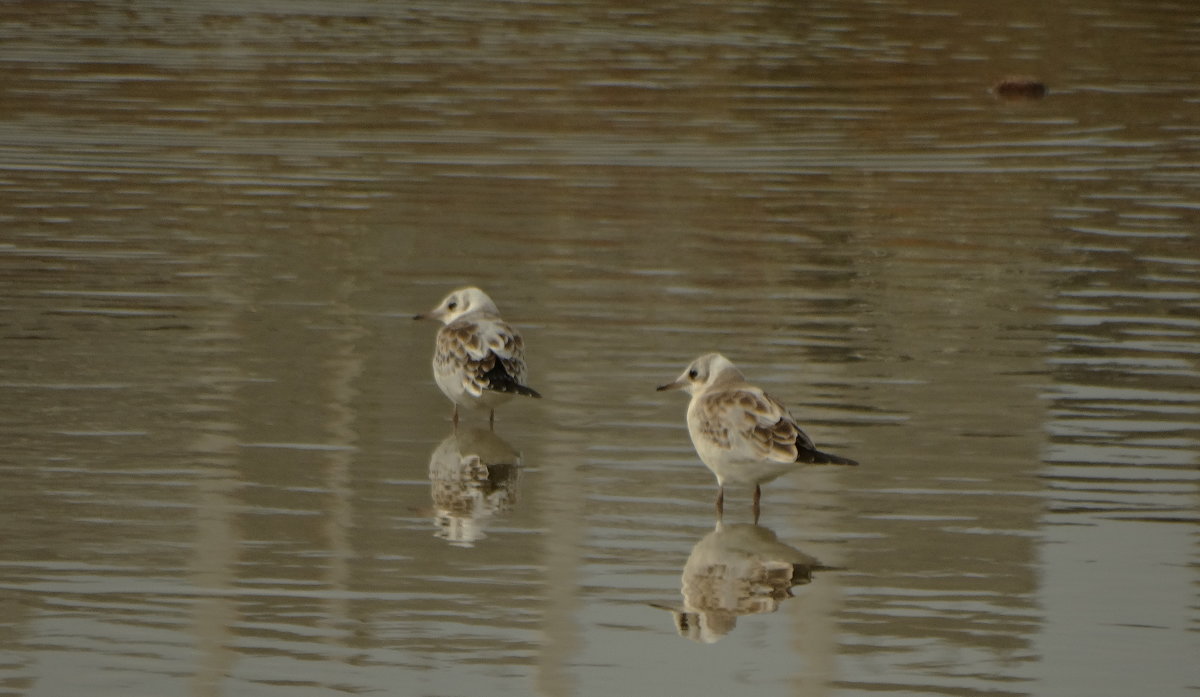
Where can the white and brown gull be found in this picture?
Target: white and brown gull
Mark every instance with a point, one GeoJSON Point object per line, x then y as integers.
{"type": "Point", "coordinates": [745, 436]}
{"type": "Point", "coordinates": [478, 359]}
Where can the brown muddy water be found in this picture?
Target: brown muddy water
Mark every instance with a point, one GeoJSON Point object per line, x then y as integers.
{"type": "Point", "coordinates": [227, 470]}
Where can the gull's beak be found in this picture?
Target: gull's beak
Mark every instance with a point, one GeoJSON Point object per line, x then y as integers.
{"type": "Point", "coordinates": [421, 316]}
{"type": "Point", "coordinates": [670, 386]}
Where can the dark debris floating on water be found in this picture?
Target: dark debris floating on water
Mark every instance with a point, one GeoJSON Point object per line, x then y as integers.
{"type": "Point", "coordinates": [1019, 87]}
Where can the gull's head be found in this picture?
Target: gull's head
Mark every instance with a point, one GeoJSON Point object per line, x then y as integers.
{"type": "Point", "coordinates": [705, 627]}
{"type": "Point", "coordinates": [703, 373]}
{"type": "Point", "coordinates": [459, 303]}
{"type": "Point", "coordinates": [699, 626]}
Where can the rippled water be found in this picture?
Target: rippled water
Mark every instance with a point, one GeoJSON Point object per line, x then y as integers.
{"type": "Point", "coordinates": [228, 471]}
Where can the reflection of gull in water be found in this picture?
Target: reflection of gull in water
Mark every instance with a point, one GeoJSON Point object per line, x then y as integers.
{"type": "Point", "coordinates": [737, 570]}
{"type": "Point", "coordinates": [473, 475]}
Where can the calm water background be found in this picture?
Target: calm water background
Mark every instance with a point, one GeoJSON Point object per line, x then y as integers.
{"type": "Point", "coordinates": [219, 421]}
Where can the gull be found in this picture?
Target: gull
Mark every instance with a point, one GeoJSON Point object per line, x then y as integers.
{"type": "Point", "coordinates": [478, 359]}
{"type": "Point", "coordinates": [741, 433]}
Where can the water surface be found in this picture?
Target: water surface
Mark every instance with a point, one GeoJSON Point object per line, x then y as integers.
{"type": "Point", "coordinates": [228, 471]}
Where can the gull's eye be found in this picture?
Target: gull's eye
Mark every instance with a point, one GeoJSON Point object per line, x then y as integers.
{"type": "Point", "coordinates": [452, 305]}
{"type": "Point", "coordinates": [693, 373]}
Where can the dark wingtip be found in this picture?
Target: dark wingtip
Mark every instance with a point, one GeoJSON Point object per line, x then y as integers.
{"type": "Point", "coordinates": [513, 387]}
{"type": "Point", "coordinates": [816, 457]}
{"type": "Point", "coordinates": [497, 379]}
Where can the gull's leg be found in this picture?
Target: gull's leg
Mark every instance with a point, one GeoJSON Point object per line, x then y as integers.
{"type": "Point", "coordinates": [454, 417]}
{"type": "Point", "coordinates": [492, 420]}
{"type": "Point", "coordinates": [757, 498]}
{"type": "Point", "coordinates": [720, 501]}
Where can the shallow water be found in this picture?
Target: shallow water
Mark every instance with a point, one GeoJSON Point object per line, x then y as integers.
{"type": "Point", "coordinates": [220, 421]}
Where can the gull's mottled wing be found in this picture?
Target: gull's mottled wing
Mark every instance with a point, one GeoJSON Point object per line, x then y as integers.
{"type": "Point", "coordinates": [486, 352]}
{"type": "Point", "coordinates": [747, 415]}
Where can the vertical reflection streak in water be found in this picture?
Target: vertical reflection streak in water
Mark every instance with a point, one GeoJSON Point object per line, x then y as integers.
{"type": "Point", "coordinates": [343, 367]}
{"type": "Point", "coordinates": [563, 505]}
{"type": "Point", "coordinates": [215, 555]}
{"type": "Point", "coordinates": [940, 585]}
{"type": "Point", "coordinates": [215, 551]}
{"type": "Point", "coordinates": [815, 630]}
